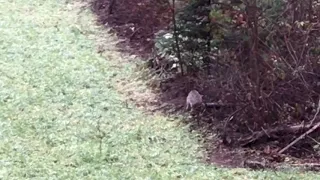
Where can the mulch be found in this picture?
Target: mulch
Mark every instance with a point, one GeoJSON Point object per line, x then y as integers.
{"type": "Point", "coordinates": [135, 21]}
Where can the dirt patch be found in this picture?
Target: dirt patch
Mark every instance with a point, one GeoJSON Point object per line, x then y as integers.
{"type": "Point", "coordinates": [136, 21]}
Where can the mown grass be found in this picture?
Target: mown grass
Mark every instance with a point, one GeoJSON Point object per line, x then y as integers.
{"type": "Point", "coordinates": [56, 93]}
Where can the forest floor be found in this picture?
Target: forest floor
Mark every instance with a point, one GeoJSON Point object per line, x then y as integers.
{"type": "Point", "coordinates": [63, 117]}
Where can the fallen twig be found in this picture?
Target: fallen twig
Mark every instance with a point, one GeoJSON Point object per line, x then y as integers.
{"type": "Point", "coordinates": [134, 32]}
{"type": "Point", "coordinates": [300, 137]}
{"type": "Point", "coordinates": [306, 133]}
{"type": "Point", "coordinates": [216, 104]}
{"type": "Point", "coordinates": [271, 132]}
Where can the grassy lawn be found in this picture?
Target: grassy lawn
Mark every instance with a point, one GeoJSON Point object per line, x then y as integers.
{"type": "Point", "coordinates": [61, 116]}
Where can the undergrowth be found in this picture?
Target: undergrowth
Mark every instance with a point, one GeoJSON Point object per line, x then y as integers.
{"type": "Point", "coordinates": [61, 116]}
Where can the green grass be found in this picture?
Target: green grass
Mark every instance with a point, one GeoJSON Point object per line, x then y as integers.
{"type": "Point", "coordinates": [55, 90]}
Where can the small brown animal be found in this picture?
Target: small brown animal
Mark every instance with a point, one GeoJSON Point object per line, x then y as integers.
{"type": "Point", "coordinates": [193, 98]}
